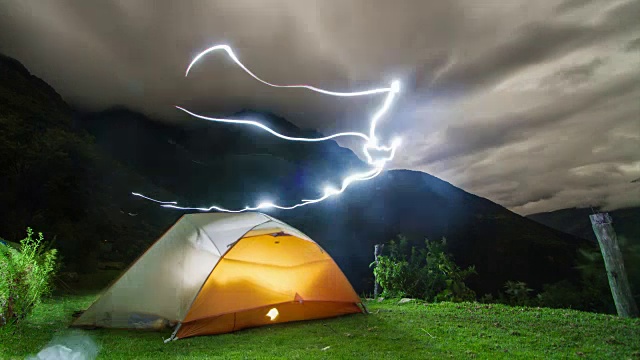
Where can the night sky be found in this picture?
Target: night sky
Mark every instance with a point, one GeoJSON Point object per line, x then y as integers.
{"type": "Point", "coordinates": [532, 104]}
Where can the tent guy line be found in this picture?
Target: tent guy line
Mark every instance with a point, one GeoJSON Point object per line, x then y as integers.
{"type": "Point", "coordinates": [371, 141]}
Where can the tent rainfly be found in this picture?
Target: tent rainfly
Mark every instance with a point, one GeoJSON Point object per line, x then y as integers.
{"type": "Point", "coordinates": [215, 273]}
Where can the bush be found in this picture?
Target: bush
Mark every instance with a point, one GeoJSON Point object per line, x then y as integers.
{"type": "Point", "coordinates": [561, 295]}
{"type": "Point", "coordinates": [595, 283]}
{"type": "Point", "coordinates": [25, 277]}
{"type": "Point", "coordinates": [592, 292]}
{"type": "Point", "coordinates": [427, 273]}
{"type": "Point", "coordinates": [517, 293]}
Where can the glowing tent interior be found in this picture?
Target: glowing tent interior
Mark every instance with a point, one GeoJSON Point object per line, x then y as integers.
{"type": "Point", "coordinates": [215, 273]}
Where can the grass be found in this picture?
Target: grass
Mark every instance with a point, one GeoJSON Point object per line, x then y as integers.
{"type": "Point", "coordinates": [391, 331]}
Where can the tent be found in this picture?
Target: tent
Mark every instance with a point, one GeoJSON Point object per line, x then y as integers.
{"type": "Point", "coordinates": [213, 273]}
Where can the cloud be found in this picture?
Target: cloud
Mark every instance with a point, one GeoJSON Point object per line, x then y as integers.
{"type": "Point", "coordinates": [532, 44]}
{"type": "Point", "coordinates": [633, 45]}
{"type": "Point", "coordinates": [530, 104]}
{"type": "Point", "coordinates": [480, 134]}
{"type": "Point", "coordinates": [558, 163]}
{"type": "Point", "coordinates": [578, 74]}
{"type": "Point", "coordinates": [534, 130]}
{"type": "Point", "coordinates": [538, 42]}
{"type": "Point", "coordinates": [621, 17]}
{"type": "Point", "coordinates": [569, 5]}
{"type": "Point", "coordinates": [611, 197]}
{"type": "Point", "coordinates": [590, 153]}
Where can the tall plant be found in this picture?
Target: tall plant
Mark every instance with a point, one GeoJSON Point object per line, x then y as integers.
{"type": "Point", "coordinates": [428, 273]}
{"type": "Point", "coordinates": [25, 276]}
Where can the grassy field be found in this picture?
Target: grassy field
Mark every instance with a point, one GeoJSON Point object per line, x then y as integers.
{"type": "Point", "coordinates": [413, 330]}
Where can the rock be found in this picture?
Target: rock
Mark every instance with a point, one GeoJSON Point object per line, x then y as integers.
{"type": "Point", "coordinates": [405, 300]}
{"type": "Point", "coordinates": [380, 299]}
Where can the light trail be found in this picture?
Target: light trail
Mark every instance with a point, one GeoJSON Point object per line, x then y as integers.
{"type": "Point", "coordinates": [371, 141]}
{"type": "Point", "coordinates": [262, 126]}
{"type": "Point", "coordinates": [154, 200]}
{"type": "Point", "coordinates": [233, 57]}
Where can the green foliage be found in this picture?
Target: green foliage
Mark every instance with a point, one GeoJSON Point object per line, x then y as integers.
{"type": "Point", "coordinates": [593, 293]}
{"type": "Point", "coordinates": [562, 294]}
{"type": "Point", "coordinates": [54, 178]}
{"type": "Point", "coordinates": [517, 293]}
{"type": "Point", "coordinates": [594, 275]}
{"type": "Point", "coordinates": [590, 293]}
{"type": "Point", "coordinates": [428, 273]}
{"type": "Point", "coordinates": [25, 277]}
{"type": "Point", "coordinates": [487, 299]}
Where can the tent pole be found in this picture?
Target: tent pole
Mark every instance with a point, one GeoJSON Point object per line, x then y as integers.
{"type": "Point", "coordinates": [173, 335]}
{"type": "Point", "coordinates": [366, 311]}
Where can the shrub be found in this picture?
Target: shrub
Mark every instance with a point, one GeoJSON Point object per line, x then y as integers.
{"type": "Point", "coordinates": [487, 299]}
{"type": "Point", "coordinates": [25, 277]}
{"type": "Point", "coordinates": [595, 283]}
{"type": "Point", "coordinates": [517, 293]}
{"type": "Point", "coordinates": [402, 272]}
{"type": "Point", "coordinates": [428, 273]}
{"type": "Point", "coordinates": [592, 292]}
{"type": "Point", "coordinates": [561, 295]}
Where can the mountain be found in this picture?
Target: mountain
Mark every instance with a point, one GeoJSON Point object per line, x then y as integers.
{"type": "Point", "coordinates": [242, 160]}
{"type": "Point", "coordinates": [204, 160]}
{"type": "Point", "coordinates": [54, 179]}
{"type": "Point", "coordinates": [93, 161]}
{"type": "Point", "coordinates": [502, 245]}
{"type": "Point", "coordinates": [626, 223]}
{"type": "Point", "coordinates": [575, 221]}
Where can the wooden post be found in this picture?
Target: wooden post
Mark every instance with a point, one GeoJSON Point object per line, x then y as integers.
{"type": "Point", "coordinates": [614, 264]}
{"type": "Point", "coordinates": [376, 252]}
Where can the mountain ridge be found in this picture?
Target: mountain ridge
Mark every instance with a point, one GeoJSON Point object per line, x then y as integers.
{"type": "Point", "coordinates": [575, 221]}
{"type": "Point", "coordinates": [130, 151]}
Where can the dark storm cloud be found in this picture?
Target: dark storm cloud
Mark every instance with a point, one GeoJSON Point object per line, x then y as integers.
{"type": "Point", "coordinates": [633, 45]}
{"type": "Point", "coordinates": [579, 73]}
{"type": "Point", "coordinates": [481, 134]}
{"type": "Point", "coordinates": [569, 135]}
{"type": "Point", "coordinates": [538, 42]}
{"type": "Point", "coordinates": [622, 17]}
{"type": "Point", "coordinates": [585, 160]}
{"type": "Point", "coordinates": [135, 53]}
{"type": "Point", "coordinates": [527, 103]}
{"type": "Point", "coordinates": [558, 161]}
{"type": "Point", "coordinates": [558, 89]}
{"type": "Point", "coordinates": [569, 5]}
{"type": "Point", "coordinates": [532, 44]}
{"type": "Point", "coordinates": [521, 199]}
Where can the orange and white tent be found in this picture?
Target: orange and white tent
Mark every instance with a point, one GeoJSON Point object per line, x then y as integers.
{"type": "Point", "coordinates": [215, 273]}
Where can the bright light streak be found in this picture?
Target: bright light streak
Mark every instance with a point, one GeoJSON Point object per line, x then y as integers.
{"type": "Point", "coordinates": [255, 123]}
{"type": "Point", "coordinates": [371, 141]}
{"type": "Point", "coordinates": [158, 201]}
{"type": "Point", "coordinates": [273, 314]}
{"type": "Point", "coordinates": [233, 57]}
